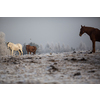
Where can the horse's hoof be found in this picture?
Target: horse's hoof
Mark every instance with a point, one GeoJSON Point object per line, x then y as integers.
{"type": "Point", "coordinates": [90, 52]}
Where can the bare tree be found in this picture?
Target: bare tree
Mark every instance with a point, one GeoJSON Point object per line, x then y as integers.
{"type": "Point", "coordinates": [41, 49]}
{"type": "Point", "coordinates": [3, 48]}
{"type": "Point", "coordinates": [82, 46]}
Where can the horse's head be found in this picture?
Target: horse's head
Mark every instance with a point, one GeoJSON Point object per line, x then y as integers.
{"type": "Point", "coordinates": [82, 30]}
{"type": "Point", "coordinates": [8, 45]}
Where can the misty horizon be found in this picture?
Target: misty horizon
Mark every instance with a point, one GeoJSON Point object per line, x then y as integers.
{"type": "Point", "coordinates": [51, 30]}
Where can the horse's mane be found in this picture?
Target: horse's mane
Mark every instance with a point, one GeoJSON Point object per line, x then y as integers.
{"type": "Point", "coordinates": [11, 43]}
{"type": "Point", "coordinates": [91, 28]}
{"type": "Point", "coordinates": [7, 43]}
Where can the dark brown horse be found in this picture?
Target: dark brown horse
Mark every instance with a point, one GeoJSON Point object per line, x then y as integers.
{"type": "Point", "coordinates": [31, 49]}
{"type": "Point", "coordinates": [94, 34]}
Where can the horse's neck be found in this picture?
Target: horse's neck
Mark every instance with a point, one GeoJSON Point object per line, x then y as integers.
{"type": "Point", "coordinates": [88, 30]}
{"type": "Point", "coordinates": [11, 44]}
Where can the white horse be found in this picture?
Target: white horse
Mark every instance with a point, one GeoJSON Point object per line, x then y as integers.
{"type": "Point", "coordinates": [15, 47]}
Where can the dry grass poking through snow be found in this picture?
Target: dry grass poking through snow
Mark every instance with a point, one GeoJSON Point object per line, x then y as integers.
{"type": "Point", "coordinates": [60, 68]}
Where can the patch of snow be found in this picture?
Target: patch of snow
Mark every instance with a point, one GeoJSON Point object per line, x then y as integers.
{"type": "Point", "coordinates": [34, 69]}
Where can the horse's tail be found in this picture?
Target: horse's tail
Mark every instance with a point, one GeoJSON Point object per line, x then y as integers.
{"type": "Point", "coordinates": [19, 50]}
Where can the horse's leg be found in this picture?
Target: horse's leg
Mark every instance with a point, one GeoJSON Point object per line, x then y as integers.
{"type": "Point", "coordinates": [93, 46]}
{"type": "Point", "coordinates": [19, 52]}
{"type": "Point", "coordinates": [12, 52]}
{"type": "Point", "coordinates": [34, 52]}
{"type": "Point", "coordinates": [22, 52]}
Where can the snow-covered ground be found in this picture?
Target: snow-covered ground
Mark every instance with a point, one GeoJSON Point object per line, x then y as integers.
{"type": "Point", "coordinates": [62, 68]}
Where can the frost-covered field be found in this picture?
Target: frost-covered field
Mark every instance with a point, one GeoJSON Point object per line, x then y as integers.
{"type": "Point", "coordinates": [62, 68]}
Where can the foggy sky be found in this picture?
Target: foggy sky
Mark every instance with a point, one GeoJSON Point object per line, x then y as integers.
{"type": "Point", "coordinates": [43, 30]}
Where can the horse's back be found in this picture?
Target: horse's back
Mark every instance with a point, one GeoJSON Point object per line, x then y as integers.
{"type": "Point", "coordinates": [30, 48]}
{"type": "Point", "coordinates": [34, 47]}
{"type": "Point", "coordinates": [19, 45]}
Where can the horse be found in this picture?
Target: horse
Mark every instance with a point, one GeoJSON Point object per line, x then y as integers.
{"type": "Point", "coordinates": [94, 34]}
{"type": "Point", "coordinates": [31, 49]}
{"type": "Point", "coordinates": [15, 47]}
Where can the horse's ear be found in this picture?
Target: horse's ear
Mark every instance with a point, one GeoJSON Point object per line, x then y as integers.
{"type": "Point", "coordinates": [7, 43]}
{"type": "Point", "coordinates": [81, 26]}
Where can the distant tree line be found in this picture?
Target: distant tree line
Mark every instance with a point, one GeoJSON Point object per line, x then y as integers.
{"type": "Point", "coordinates": [55, 48]}
{"type": "Point", "coordinates": [49, 48]}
